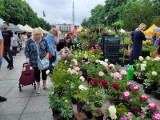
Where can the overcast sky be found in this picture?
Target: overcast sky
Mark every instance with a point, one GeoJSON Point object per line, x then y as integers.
{"type": "Point", "coordinates": [60, 11]}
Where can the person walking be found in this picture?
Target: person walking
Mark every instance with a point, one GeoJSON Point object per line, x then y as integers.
{"type": "Point", "coordinates": [15, 44]}
{"type": "Point", "coordinates": [137, 42]}
{"type": "Point", "coordinates": [8, 44]}
{"type": "Point", "coordinates": [154, 38]}
{"type": "Point", "coordinates": [37, 48]}
{"type": "Point", "coordinates": [52, 40]}
{"type": "Point", "coordinates": [2, 99]}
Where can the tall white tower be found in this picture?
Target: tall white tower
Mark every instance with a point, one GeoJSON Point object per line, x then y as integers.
{"type": "Point", "coordinates": [73, 14]}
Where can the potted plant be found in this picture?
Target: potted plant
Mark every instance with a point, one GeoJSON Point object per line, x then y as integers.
{"type": "Point", "coordinates": [157, 93]}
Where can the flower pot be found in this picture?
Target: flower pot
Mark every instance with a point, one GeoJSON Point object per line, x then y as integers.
{"type": "Point", "coordinates": [147, 90]}
{"type": "Point", "coordinates": [126, 62]}
{"type": "Point", "coordinates": [80, 106]}
{"type": "Point", "coordinates": [99, 114]}
{"type": "Point", "coordinates": [97, 105]}
{"type": "Point", "coordinates": [140, 80]}
{"type": "Point", "coordinates": [56, 115]}
{"type": "Point", "coordinates": [88, 113]}
{"type": "Point", "coordinates": [157, 95]}
{"type": "Point", "coordinates": [74, 101]}
{"type": "Point", "coordinates": [108, 118]}
{"type": "Point", "coordinates": [80, 116]}
{"type": "Point", "coordinates": [135, 77]}
{"type": "Point", "coordinates": [145, 53]}
{"type": "Point", "coordinates": [136, 110]}
{"type": "Point", "coordinates": [122, 64]}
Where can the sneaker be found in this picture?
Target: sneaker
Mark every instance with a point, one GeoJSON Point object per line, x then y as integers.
{"type": "Point", "coordinates": [38, 91]}
{"type": "Point", "coordinates": [2, 99]}
{"type": "Point", "coordinates": [10, 68]}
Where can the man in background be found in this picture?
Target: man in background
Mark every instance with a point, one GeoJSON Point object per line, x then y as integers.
{"type": "Point", "coordinates": [8, 45]}
{"type": "Point", "coordinates": [2, 99]}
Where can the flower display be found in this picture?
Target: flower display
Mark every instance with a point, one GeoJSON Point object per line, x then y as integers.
{"type": "Point", "coordinates": [111, 66]}
{"type": "Point", "coordinates": [101, 73]}
{"type": "Point", "coordinates": [82, 78]}
{"type": "Point", "coordinates": [64, 55]}
{"type": "Point", "coordinates": [95, 82]}
{"type": "Point", "coordinates": [143, 65]}
{"type": "Point", "coordinates": [141, 58]}
{"type": "Point", "coordinates": [47, 72]}
{"type": "Point", "coordinates": [152, 106]}
{"type": "Point", "coordinates": [143, 69]}
{"type": "Point", "coordinates": [148, 58]}
{"type": "Point", "coordinates": [129, 84]}
{"type": "Point", "coordinates": [123, 72]}
{"type": "Point", "coordinates": [156, 115]}
{"type": "Point", "coordinates": [154, 73]}
{"type": "Point", "coordinates": [144, 62]}
{"type": "Point", "coordinates": [106, 60]}
{"type": "Point", "coordinates": [112, 111]}
{"type": "Point", "coordinates": [116, 86]}
{"type": "Point", "coordinates": [126, 95]}
{"type": "Point", "coordinates": [82, 87]}
{"type": "Point", "coordinates": [105, 83]}
{"type": "Point", "coordinates": [135, 88]}
{"type": "Point", "coordinates": [117, 76]}
{"type": "Point", "coordinates": [144, 98]}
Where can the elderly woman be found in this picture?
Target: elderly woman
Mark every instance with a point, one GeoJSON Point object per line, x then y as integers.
{"type": "Point", "coordinates": [138, 37]}
{"type": "Point", "coordinates": [33, 54]}
{"type": "Point", "coordinates": [52, 40]}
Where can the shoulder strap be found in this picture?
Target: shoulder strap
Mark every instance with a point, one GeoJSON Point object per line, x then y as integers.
{"type": "Point", "coordinates": [37, 50]}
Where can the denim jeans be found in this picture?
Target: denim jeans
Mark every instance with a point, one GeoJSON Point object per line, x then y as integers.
{"type": "Point", "coordinates": [51, 60]}
{"type": "Point", "coordinates": [0, 62]}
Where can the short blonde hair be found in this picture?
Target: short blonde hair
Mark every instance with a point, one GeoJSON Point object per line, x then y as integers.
{"type": "Point", "coordinates": [142, 26]}
{"type": "Point", "coordinates": [37, 31]}
{"type": "Point", "coordinates": [54, 31]}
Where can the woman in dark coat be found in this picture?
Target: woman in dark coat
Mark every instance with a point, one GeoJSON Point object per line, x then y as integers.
{"type": "Point", "coordinates": [138, 38]}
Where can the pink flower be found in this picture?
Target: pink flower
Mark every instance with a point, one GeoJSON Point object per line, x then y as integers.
{"type": "Point", "coordinates": [156, 115]}
{"type": "Point", "coordinates": [101, 73]}
{"type": "Point", "coordinates": [94, 50]}
{"type": "Point", "coordinates": [117, 76]}
{"type": "Point", "coordinates": [63, 55]}
{"type": "Point", "coordinates": [111, 66]}
{"type": "Point", "coordinates": [152, 106]}
{"type": "Point", "coordinates": [144, 98]}
{"type": "Point", "coordinates": [136, 88]}
{"type": "Point", "coordinates": [123, 72]}
{"type": "Point", "coordinates": [126, 95]}
{"type": "Point", "coordinates": [129, 84]}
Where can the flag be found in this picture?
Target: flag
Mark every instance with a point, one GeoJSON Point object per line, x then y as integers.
{"type": "Point", "coordinates": [44, 15]}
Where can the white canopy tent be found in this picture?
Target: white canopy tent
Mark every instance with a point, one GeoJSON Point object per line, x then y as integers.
{"type": "Point", "coordinates": [21, 27]}
{"type": "Point", "coordinates": [44, 31]}
{"type": "Point", "coordinates": [28, 28]}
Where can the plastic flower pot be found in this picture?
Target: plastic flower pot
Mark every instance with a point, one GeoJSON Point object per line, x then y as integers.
{"type": "Point", "coordinates": [80, 106]}
{"type": "Point", "coordinates": [147, 90]}
{"type": "Point", "coordinates": [74, 101]}
{"type": "Point", "coordinates": [88, 113]}
{"type": "Point", "coordinates": [135, 77]}
{"type": "Point", "coordinates": [136, 110]}
{"type": "Point", "coordinates": [157, 95]}
{"type": "Point", "coordinates": [56, 114]}
{"type": "Point", "coordinates": [140, 80]}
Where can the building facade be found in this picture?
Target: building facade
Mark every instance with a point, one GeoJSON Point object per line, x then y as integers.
{"type": "Point", "coordinates": [65, 27]}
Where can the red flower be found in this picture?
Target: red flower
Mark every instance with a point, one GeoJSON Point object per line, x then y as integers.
{"type": "Point", "coordinates": [105, 83]}
{"type": "Point", "coordinates": [144, 98]}
{"type": "Point", "coordinates": [94, 50]}
{"type": "Point", "coordinates": [116, 86]}
{"type": "Point", "coordinates": [136, 88]}
{"type": "Point", "coordinates": [95, 82]}
{"type": "Point", "coordinates": [124, 49]}
{"type": "Point", "coordinates": [118, 71]}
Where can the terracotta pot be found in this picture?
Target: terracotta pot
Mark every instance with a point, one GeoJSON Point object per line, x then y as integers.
{"type": "Point", "coordinates": [80, 116]}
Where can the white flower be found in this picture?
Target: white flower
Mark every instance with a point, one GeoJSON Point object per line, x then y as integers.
{"type": "Point", "coordinates": [143, 65]}
{"type": "Point", "coordinates": [148, 58]}
{"type": "Point", "coordinates": [144, 62]}
{"type": "Point", "coordinates": [105, 64]}
{"type": "Point", "coordinates": [93, 55]}
{"type": "Point", "coordinates": [97, 61]}
{"type": "Point", "coordinates": [77, 68]}
{"type": "Point", "coordinates": [141, 58]}
{"type": "Point", "coordinates": [157, 59]}
{"type": "Point", "coordinates": [82, 78]}
{"type": "Point", "coordinates": [73, 71]}
{"type": "Point", "coordinates": [65, 61]}
{"type": "Point", "coordinates": [69, 70]}
{"type": "Point", "coordinates": [101, 62]}
{"type": "Point", "coordinates": [53, 64]}
{"type": "Point", "coordinates": [142, 68]}
{"type": "Point", "coordinates": [137, 65]}
{"type": "Point", "coordinates": [112, 111]}
{"type": "Point", "coordinates": [106, 60]}
{"type": "Point", "coordinates": [82, 87]}
{"type": "Point", "coordinates": [101, 73]}
{"type": "Point", "coordinates": [123, 72]}
{"type": "Point", "coordinates": [154, 73]}
{"type": "Point", "coordinates": [47, 72]}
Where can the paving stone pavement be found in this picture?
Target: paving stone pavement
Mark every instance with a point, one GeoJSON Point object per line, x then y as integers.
{"type": "Point", "coordinates": [25, 105]}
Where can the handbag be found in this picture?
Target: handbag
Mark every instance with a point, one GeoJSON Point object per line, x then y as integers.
{"type": "Point", "coordinates": [42, 64]}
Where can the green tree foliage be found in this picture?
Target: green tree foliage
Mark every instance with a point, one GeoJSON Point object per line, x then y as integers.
{"type": "Point", "coordinates": [19, 12]}
{"type": "Point", "coordinates": [125, 13]}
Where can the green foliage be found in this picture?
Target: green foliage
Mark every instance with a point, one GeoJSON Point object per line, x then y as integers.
{"type": "Point", "coordinates": [19, 12]}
